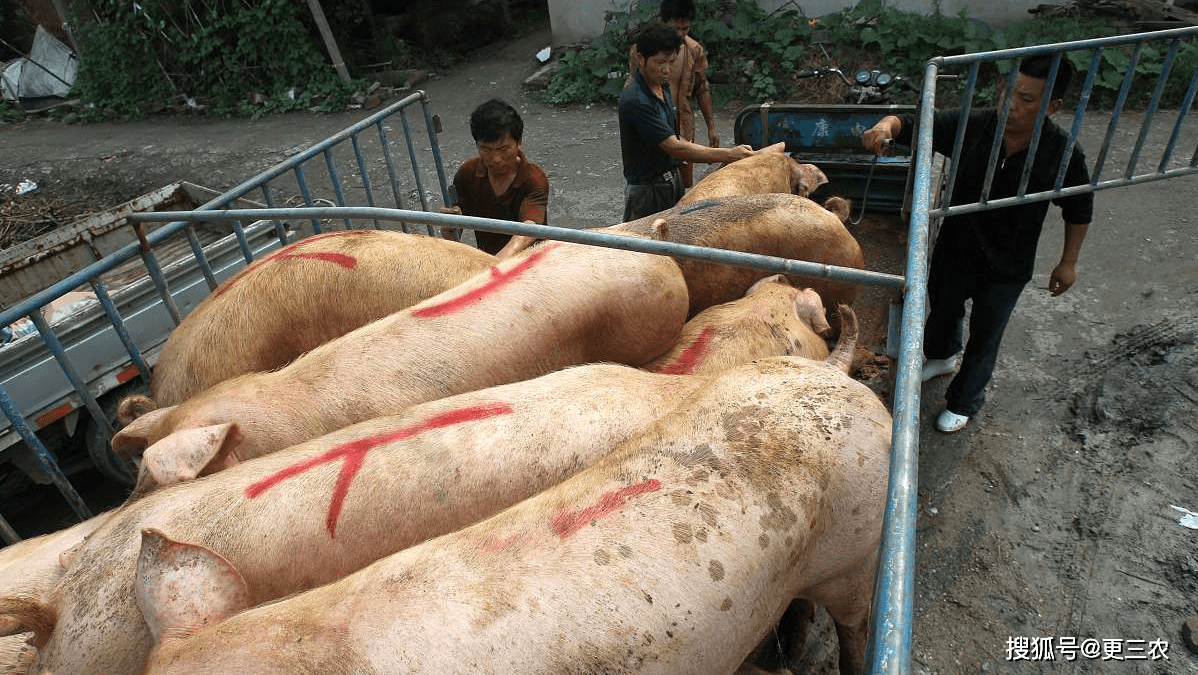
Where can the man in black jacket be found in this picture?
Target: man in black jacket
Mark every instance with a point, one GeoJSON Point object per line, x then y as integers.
{"type": "Point", "coordinates": [988, 256]}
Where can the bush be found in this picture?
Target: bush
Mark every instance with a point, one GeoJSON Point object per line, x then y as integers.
{"type": "Point", "coordinates": [754, 55]}
{"type": "Point", "coordinates": [203, 54]}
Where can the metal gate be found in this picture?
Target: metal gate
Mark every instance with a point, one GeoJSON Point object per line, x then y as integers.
{"type": "Point", "coordinates": [891, 627]}
{"type": "Point", "coordinates": [118, 340]}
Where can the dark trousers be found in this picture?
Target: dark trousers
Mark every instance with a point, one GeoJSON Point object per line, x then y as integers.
{"type": "Point", "coordinates": [659, 194]}
{"type": "Point", "coordinates": [950, 284]}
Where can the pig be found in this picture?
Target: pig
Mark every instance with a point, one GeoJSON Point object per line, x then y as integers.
{"type": "Point", "coordinates": [677, 552]}
{"type": "Point", "coordinates": [773, 318]}
{"type": "Point", "coordinates": [16, 655]}
{"type": "Point", "coordinates": [761, 173]}
{"type": "Point", "coordinates": [768, 170]}
{"type": "Point", "coordinates": [301, 296]}
{"type": "Point", "coordinates": [28, 570]}
{"type": "Point", "coordinates": [781, 225]}
{"type": "Point", "coordinates": [558, 305]}
{"type": "Point", "coordinates": [429, 470]}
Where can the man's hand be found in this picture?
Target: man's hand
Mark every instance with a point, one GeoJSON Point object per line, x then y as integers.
{"type": "Point", "coordinates": [713, 138]}
{"type": "Point", "coordinates": [879, 137]}
{"type": "Point", "coordinates": [451, 233]}
{"type": "Point", "coordinates": [740, 152]}
{"type": "Point", "coordinates": [1063, 276]}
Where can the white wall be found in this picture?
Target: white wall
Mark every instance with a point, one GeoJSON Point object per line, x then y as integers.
{"type": "Point", "coordinates": [575, 20]}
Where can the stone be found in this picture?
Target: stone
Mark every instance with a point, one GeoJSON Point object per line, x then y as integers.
{"type": "Point", "coordinates": [1189, 633]}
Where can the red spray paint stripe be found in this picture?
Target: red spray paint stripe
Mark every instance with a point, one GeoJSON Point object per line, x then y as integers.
{"type": "Point", "coordinates": [566, 523]}
{"type": "Point", "coordinates": [692, 356]}
{"type": "Point", "coordinates": [499, 279]}
{"type": "Point", "coordinates": [290, 252]}
{"type": "Point", "coordinates": [346, 261]}
{"type": "Point", "coordinates": [355, 451]}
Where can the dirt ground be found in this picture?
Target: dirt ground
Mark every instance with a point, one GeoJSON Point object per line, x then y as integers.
{"type": "Point", "coordinates": [1048, 519]}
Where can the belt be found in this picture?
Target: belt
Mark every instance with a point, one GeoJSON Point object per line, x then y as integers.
{"type": "Point", "coordinates": [666, 177]}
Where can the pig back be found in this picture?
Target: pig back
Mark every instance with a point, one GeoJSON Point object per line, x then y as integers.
{"type": "Point", "coordinates": [762, 173]}
{"type": "Point", "coordinates": [302, 296]}
{"type": "Point", "coordinates": [683, 546]}
{"type": "Point", "coordinates": [782, 225]}
{"type": "Point", "coordinates": [554, 305]}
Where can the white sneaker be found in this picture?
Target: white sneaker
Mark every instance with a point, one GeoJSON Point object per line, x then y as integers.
{"type": "Point", "coordinates": [950, 422]}
{"type": "Point", "coordinates": [934, 368]}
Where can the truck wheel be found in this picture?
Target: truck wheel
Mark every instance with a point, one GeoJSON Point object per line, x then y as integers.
{"type": "Point", "coordinates": [99, 446]}
{"type": "Point", "coordinates": [109, 463]}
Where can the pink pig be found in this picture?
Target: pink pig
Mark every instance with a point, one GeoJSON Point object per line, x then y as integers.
{"type": "Point", "coordinates": [773, 318]}
{"type": "Point", "coordinates": [679, 551]}
{"type": "Point", "coordinates": [761, 173]}
{"type": "Point", "coordinates": [782, 225]}
{"type": "Point", "coordinates": [556, 306]}
{"type": "Point", "coordinates": [297, 298]}
{"type": "Point", "coordinates": [353, 496]}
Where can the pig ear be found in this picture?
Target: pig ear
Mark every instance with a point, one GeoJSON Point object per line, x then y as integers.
{"type": "Point", "coordinates": [137, 434]}
{"type": "Point", "coordinates": [182, 587]}
{"type": "Point", "coordinates": [810, 178]}
{"type": "Point", "coordinates": [840, 207]}
{"type": "Point", "coordinates": [815, 317]}
{"type": "Point", "coordinates": [185, 455]}
{"type": "Point", "coordinates": [132, 407]}
{"type": "Point", "coordinates": [780, 146]}
{"type": "Point", "coordinates": [67, 558]}
{"type": "Point", "coordinates": [773, 279]}
{"type": "Point", "coordinates": [660, 230]}
{"type": "Point", "coordinates": [22, 615]}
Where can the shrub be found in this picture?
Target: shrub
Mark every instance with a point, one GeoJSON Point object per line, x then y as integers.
{"type": "Point", "coordinates": [142, 56]}
{"type": "Point", "coordinates": [754, 55]}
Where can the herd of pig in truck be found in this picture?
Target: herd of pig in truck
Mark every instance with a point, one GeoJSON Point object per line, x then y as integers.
{"type": "Point", "coordinates": [577, 459]}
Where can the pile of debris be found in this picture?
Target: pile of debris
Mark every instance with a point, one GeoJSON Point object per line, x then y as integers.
{"type": "Point", "coordinates": [1142, 15]}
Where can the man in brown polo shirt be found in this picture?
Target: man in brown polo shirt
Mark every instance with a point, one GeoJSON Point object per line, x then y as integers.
{"type": "Point", "coordinates": [500, 182]}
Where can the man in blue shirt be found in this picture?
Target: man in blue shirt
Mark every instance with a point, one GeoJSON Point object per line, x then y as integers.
{"type": "Point", "coordinates": [649, 142]}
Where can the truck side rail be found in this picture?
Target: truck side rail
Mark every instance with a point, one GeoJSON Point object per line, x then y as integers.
{"type": "Point", "coordinates": [378, 171]}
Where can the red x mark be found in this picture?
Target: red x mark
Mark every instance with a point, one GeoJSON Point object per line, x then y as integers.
{"type": "Point", "coordinates": [354, 453]}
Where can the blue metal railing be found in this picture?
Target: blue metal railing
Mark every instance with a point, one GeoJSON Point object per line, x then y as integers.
{"type": "Point", "coordinates": [269, 182]}
{"type": "Point", "coordinates": [714, 255]}
{"type": "Point", "coordinates": [891, 623]}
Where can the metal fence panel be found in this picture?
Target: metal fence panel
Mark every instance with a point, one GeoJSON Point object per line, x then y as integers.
{"type": "Point", "coordinates": [891, 624]}
{"type": "Point", "coordinates": [46, 376]}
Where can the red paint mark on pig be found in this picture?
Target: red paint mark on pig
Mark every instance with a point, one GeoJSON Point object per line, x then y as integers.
{"type": "Point", "coordinates": [494, 545]}
{"type": "Point", "coordinates": [354, 454]}
{"type": "Point", "coordinates": [289, 253]}
{"type": "Point", "coordinates": [692, 356]}
{"type": "Point", "coordinates": [566, 522]}
{"type": "Point", "coordinates": [498, 280]}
